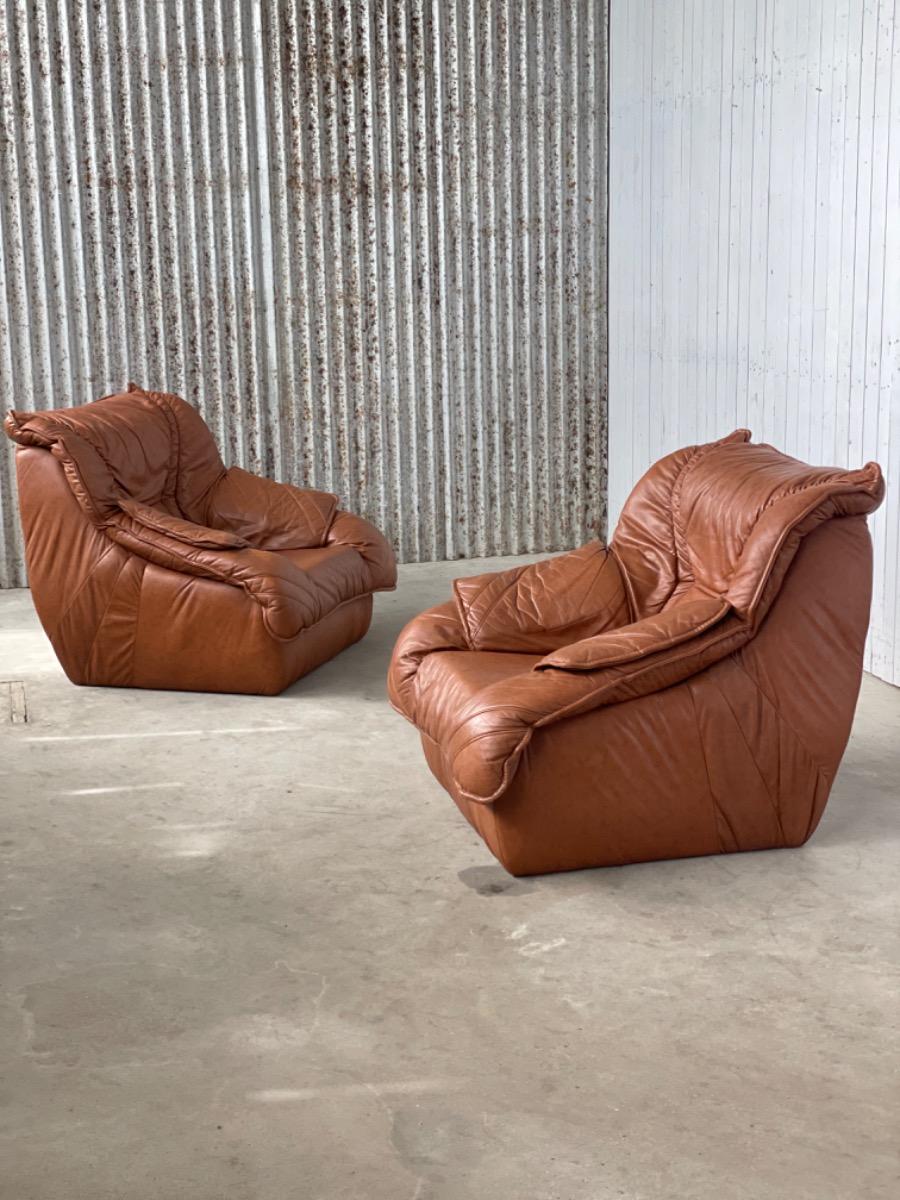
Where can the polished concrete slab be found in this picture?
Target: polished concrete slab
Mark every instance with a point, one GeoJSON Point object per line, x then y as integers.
{"type": "Point", "coordinates": [252, 952]}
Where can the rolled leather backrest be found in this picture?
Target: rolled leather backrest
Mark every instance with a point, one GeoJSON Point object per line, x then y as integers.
{"type": "Point", "coordinates": [150, 447]}
{"type": "Point", "coordinates": [739, 502]}
{"type": "Point", "coordinates": [716, 517]}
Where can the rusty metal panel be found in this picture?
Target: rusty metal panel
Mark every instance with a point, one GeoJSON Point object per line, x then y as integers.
{"type": "Point", "coordinates": [366, 239]}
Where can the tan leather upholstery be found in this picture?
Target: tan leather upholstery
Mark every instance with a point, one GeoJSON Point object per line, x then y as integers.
{"type": "Point", "coordinates": [151, 565]}
{"type": "Point", "coordinates": [688, 690]}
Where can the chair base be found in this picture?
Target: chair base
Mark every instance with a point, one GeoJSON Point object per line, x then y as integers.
{"type": "Point", "coordinates": [237, 657]}
{"type": "Point", "coordinates": [541, 825]}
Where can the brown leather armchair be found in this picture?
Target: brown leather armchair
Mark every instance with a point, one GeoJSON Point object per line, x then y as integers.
{"type": "Point", "coordinates": [151, 565]}
{"type": "Point", "coordinates": [688, 690]}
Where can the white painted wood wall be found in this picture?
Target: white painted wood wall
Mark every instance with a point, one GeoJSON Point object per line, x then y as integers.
{"type": "Point", "coordinates": [754, 242]}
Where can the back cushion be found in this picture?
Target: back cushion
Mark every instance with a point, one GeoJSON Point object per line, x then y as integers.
{"type": "Point", "coordinates": [709, 515]}
{"type": "Point", "coordinates": [645, 540]}
{"type": "Point", "coordinates": [728, 490]}
{"type": "Point", "coordinates": [148, 446]}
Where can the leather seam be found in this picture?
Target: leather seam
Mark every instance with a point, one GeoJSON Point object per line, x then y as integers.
{"type": "Point", "coordinates": [718, 811]}
{"type": "Point", "coordinates": [104, 554]}
{"type": "Point", "coordinates": [630, 600]}
{"type": "Point", "coordinates": [509, 768]}
{"type": "Point", "coordinates": [472, 631]}
{"type": "Point", "coordinates": [137, 619]}
{"type": "Point", "coordinates": [109, 602]}
{"type": "Point", "coordinates": [679, 535]}
{"type": "Point", "coordinates": [173, 468]}
{"type": "Point", "coordinates": [820, 769]}
{"type": "Point", "coordinates": [776, 809]}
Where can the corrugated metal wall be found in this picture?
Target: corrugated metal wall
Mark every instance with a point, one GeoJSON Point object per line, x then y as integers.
{"type": "Point", "coordinates": [755, 242]}
{"type": "Point", "coordinates": [367, 239]}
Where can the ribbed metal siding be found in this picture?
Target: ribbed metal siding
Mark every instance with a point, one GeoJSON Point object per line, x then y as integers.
{"type": "Point", "coordinates": [367, 239]}
{"type": "Point", "coordinates": [755, 243]}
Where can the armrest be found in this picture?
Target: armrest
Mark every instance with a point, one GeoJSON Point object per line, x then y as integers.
{"type": "Point", "coordinates": [435, 629]}
{"type": "Point", "coordinates": [370, 543]}
{"type": "Point", "coordinates": [483, 742]}
{"type": "Point", "coordinates": [541, 606]}
{"type": "Point", "coordinates": [156, 520]}
{"type": "Point", "coordinates": [685, 620]}
{"type": "Point", "coordinates": [270, 515]}
{"type": "Point", "coordinates": [289, 599]}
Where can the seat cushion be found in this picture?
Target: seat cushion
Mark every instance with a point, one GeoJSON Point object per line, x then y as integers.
{"type": "Point", "coordinates": [338, 572]}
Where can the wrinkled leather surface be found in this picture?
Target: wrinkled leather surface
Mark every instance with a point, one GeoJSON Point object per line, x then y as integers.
{"type": "Point", "coordinates": [684, 622]}
{"type": "Point", "coordinates": [151, 565]}
{"type": "Point", "coordinates": [709, 715]}
{"type": "Point", "coordinates": [270, 515]}
{"type": "Point", "coordinates": [544, 605]}
{"type": "Point", "coordinates": [155, 520]}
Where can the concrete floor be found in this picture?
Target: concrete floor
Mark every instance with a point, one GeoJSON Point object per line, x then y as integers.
{"type": "Point", "coordinates": [253, 953]}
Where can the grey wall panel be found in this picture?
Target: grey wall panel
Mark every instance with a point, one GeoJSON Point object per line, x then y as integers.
{"type": "Point", "coordinates": [366, 239]}
{"type": "Point", "coordinates": [755, 242]}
